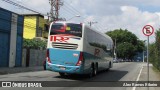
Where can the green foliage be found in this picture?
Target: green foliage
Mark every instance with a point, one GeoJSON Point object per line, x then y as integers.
{"type": "Point", "coordinates": [126, 50]}
{"type": "Point", "coordinates": [34, 44]}
{"type": "Point", "coordinates": [154, 51]}
{"type": "Point", "coordinates": [123, 36]}
{"type": "Point", "coordinates": [140, 46]}
{"type": "Point", "coordinates": [127, 43]}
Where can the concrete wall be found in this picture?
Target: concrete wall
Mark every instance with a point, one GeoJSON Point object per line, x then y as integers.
{"type": "Point", "coordinates": [36, 58]}
{"type": "Point", "coordinates": [13, 40]}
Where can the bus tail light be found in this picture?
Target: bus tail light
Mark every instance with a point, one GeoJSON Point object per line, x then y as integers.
{"type": "Point", "coordinates": [80, 59]}
{"type": "Point", "coordinates": [47, 56]}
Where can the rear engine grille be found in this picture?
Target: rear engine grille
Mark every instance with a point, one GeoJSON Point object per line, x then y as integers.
{"type": "Point", "coordinates": [64, 45]}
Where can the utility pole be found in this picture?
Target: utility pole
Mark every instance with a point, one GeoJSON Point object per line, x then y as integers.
{"type": "Point", "coordinates": [115, 52]}
{"type": "Point", "coordinates": [91, 22]}
{"type": "Point", "coordinates": [54, 12]}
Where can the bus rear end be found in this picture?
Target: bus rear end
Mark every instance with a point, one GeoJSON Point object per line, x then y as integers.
{"type": "Point", "coordinates": [64, 49]}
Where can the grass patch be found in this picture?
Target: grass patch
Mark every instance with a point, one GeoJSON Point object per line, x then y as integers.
{"type": "Point", "coordinates": [155, 69]}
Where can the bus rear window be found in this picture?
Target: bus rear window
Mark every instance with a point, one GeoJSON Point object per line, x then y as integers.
{"type": "Point", "coordinates": [68, 28]}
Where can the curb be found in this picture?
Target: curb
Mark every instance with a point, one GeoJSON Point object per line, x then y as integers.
{"type": "Point", "coordinates": [4, 71]}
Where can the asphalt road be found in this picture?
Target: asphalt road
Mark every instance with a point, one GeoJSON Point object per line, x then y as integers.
{"type": "Point", "coordinates": [126, 71]}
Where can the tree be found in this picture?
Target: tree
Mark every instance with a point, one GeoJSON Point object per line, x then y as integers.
{"type": "Point", "coordinates": [126, 50]}
{"type": "Point", "coordinates": [140, 46]}
{"type": "Point", "coordinates": [123, 36]}
{"type": "Point", "coordinates": [154, 51]}
{"type": "Point", "coordinates": [127, 43]}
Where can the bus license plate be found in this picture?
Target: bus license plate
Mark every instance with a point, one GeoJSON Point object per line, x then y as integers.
{"type": "Point", "coordinates": [62, 68]}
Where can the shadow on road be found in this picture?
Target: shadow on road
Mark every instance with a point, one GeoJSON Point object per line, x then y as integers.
{"type": "Point", "coordinates": [111, 75]}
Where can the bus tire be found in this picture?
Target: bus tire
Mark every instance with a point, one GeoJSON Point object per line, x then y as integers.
{"type": "Point", "coordinates": [61, 74]}
{"type": "Point", "coordinates": [95, 70]}
{"type": "Point", "coordinates": [109, 66]}
{"type": "Point", "coordinates": [91, 74]}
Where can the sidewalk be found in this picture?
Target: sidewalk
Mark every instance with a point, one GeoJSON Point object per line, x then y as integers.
{"type": "Point", "coordinates": [153, 76]}
{"type": "Point", "coordinates": [7, 70]}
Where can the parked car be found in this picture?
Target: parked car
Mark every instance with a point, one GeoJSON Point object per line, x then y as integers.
{"type": "Point", "coordinates": [120, 60]}
{"type": "Point", "coordinates": [115, 61]}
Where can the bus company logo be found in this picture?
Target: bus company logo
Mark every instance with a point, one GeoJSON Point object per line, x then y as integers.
{"type": "Point", "coordinates": [6, 84]}
{"type": "Point", "coordinates": [62, 38]}
{"type": "Point", "coordinates": [59, 38]}
{"type": "Point", "coordinates": [96, 52]}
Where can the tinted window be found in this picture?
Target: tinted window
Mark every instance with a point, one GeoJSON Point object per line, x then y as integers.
{"type": "Point", "coordinates": [69, 28]}
{"type": "Point", "coordinates": [98, 40]}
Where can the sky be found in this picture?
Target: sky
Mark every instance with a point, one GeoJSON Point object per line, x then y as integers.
{"type": "Point", "coordinates": [132, 15]}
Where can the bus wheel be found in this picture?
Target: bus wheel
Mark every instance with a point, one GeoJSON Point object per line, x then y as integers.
{"type": "Point", "coordinates": [95, 70]}
{"type": "Point", "coordinates": [61, 74]}
{"type": "Point", "coordinates": [91, 74]}
{"type": "Point", "coordinates": [108, 67]}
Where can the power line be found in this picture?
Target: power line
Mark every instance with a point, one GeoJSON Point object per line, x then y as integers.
{"type": "Point", "coordinates": [98, 26]}
{"type": "Point", "coordinates": [27, 24]}
{"type": "Point", "coordinates": [55, 4]}
{"type": "Point", "coordinates": [18, 5]}
{"type": "Point", "coordinates": [70, 9]}
{"type": "Point", "coordinates": [73, 7]}
{"type": "Point", "coordinates": [21, 6]}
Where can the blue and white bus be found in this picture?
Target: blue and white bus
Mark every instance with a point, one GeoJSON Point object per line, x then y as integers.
{"type": "Point", "coordinates": [75, 48]}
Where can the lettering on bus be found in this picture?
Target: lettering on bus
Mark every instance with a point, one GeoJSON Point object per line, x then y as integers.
{"type": "Point", "coordinates": [58, 39]}
{"type": "Point", "coordinates": [96, 52]}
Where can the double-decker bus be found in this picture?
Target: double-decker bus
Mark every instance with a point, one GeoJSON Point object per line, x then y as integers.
{"type": "Point", "coordinates": [75, 48]}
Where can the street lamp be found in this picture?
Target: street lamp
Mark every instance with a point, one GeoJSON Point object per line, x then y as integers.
{"type": "Point", "coordinates": [74, 17]}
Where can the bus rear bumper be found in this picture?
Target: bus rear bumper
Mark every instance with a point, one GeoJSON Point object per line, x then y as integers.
{"type": "Point", "coordinates": [64, 69]}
